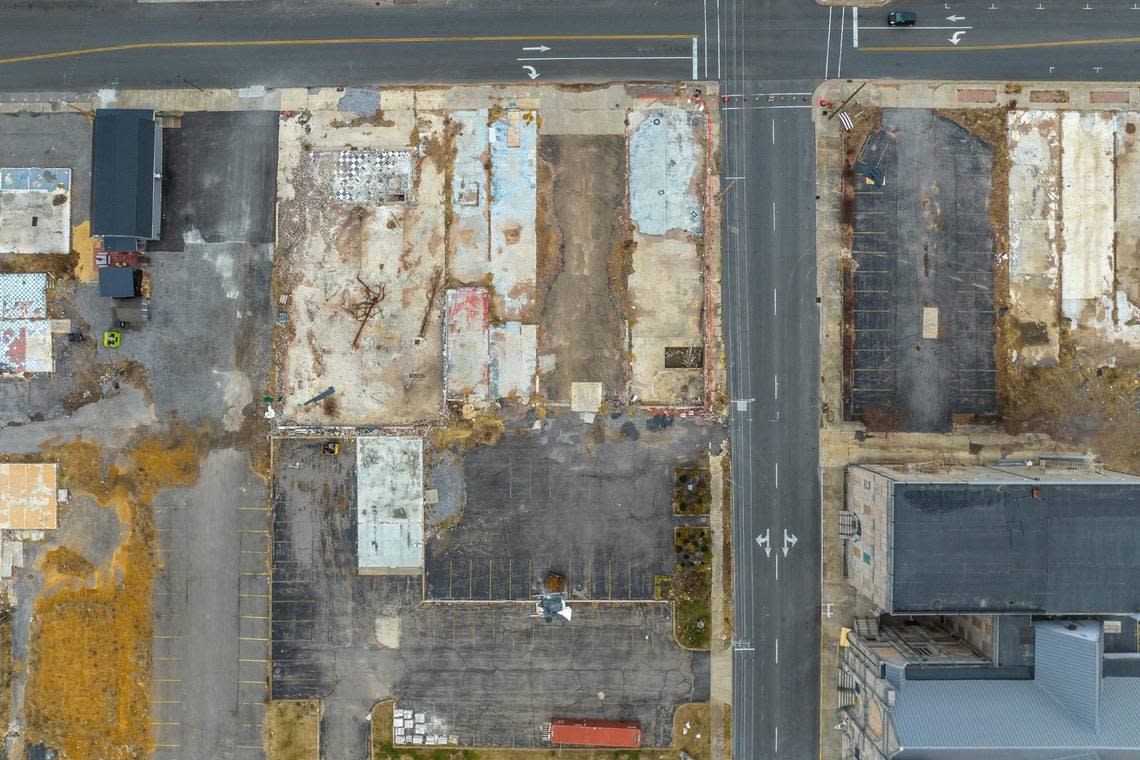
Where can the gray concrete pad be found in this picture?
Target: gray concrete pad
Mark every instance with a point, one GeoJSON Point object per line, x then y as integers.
{"type": "Point", "coordinates": [51, 140]}
{"type": "Point", "coordinates": [588, 501]}
{"type": "Point", "coordinates": [922, 240]}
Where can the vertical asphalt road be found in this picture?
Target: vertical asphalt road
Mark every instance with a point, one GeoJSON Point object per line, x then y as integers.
{"type": "Point", "coordinates": [772, 331]}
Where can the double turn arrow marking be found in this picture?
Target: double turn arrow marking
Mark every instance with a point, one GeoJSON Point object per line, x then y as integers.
{"type": "Point", "coordinates": [764, 542]}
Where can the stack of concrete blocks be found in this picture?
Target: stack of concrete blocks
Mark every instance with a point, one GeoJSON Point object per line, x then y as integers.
{"type": "Point", "coordinates": [401, 726]}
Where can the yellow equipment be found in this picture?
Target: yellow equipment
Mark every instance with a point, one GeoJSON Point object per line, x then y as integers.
{"type": "Point", "coordinates": [112, 338]}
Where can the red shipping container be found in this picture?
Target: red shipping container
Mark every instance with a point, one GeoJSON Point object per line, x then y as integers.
{"type": "Point", "coordinates": [595, 733]}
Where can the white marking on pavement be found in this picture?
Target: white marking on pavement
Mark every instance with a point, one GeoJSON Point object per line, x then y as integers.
{"type": "Point", "coordinates": [777, 567]}
{"type": "Point", "coordinates": [705, 17]}
{"type": "Point", "coordinates": [955, 38]}
{"type": "Point", "coordinates": [773, 302]}
{"type": "Point", "coordinates": [855, 27]}
{"type": "Point", "coordinates": [718, 39]}
{"type": "Point", "coordinates": [777, 650]}
{"type": "Point", "coordinates": [530, 71]}
{"type": "Point", "coordinates": [539, 49]}
{"type": "Point", "coordinates": [955, 19]}
{"type": "Point", "coordinates": [777, 474]}
{"type": "Point", "coordinates": [696, 71]}
{"type": "Point", "coordinates": [789, 541]}
{"type": "Point", "coordinates": [611, 58]}
{"type": "Point", "coordinates": [773, 214]}
{"type": "Point", "coordinates": [762, 542]}
{"type": "Point", "coordinates": [917, 28]}
{"type": "Point", "coordinates": [827, 58]}
{"type": "Point", "coordinates": [842, 19]}
{"type": "Point", "coordinates": [777, 747]}
{"type": "Point", "coordinates": [776, 387]}
{"type": "Point", "coordinates": [773, 131]}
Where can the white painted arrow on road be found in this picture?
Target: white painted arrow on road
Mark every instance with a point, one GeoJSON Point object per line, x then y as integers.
{"type": "Point", "coordinates": [951, 19]}
{"type": "Point", "coordinates": [530, 72]}
{"type": "Point", "coordinates": [539, 49]}
{"type": "Point", "coordinates": [762, 542]}
{"type": "Point", "coordinates": [954, 39]}
{"type": "Point", "coordinates": [789, 541]}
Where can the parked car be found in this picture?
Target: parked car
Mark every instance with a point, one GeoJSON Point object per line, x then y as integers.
{"type": "Point", "coordinates": [901, 18]}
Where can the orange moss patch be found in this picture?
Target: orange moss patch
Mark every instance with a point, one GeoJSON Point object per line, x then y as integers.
{"type": "Point", "coordinates": [89, 675]}
{"type": "Point", "coordinates": [63, 563]}
{"type": "Point", "coordinates": [167, 461]}
{"type": "Point", "coordinates": [90, 667]}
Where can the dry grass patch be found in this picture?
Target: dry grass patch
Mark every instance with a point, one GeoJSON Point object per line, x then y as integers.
{"type": "Point", "coordinates": [292, 729]}
{"type": "Point", "coordinates": [692, 730]}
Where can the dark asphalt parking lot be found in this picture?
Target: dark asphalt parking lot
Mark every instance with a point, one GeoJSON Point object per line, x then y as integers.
{"type": "Point", "coordinates": [587, 501]}
{"type": "Point", "coordinates": [493, 674]}
{"type": "Point", "coordinates": [490, 673]}
{"type": "Point", "coordinates": [922, 240]}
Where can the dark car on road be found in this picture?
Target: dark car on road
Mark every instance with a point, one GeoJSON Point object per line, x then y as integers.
{"type": "Point", "coordinates": [901, 18]}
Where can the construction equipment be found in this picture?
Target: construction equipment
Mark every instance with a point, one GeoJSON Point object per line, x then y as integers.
{"type": "Point", "coordinates": [331, 447]}
{"type": "Point", "coordinates": [112, 338]}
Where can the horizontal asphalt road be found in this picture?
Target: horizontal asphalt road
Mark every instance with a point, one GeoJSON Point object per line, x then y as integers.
{"type": "Point", "coordinates": [62, 46]}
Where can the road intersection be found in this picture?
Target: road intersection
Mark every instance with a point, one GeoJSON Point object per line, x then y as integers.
{"type": "Point", "coordinates": [768, 56]}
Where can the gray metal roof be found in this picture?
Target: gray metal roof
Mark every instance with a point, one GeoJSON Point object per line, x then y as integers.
{"type": "Point", "coordinates": [996, 548]}
{"type": "Point", "coordinates": [122, 173]}
{"type": "Point", "coordinates": [1047, 717]}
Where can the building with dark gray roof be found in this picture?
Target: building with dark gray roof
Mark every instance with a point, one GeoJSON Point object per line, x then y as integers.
{"type": "Point", "coordinates": [1065, 706]}
{"type": "Point", "coordinates": [1022, 539]}
{"type": "Point", "coordinates": [126, 177]}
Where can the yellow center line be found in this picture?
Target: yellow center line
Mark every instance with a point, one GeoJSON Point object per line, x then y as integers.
{"type": "Point", "coordinates": [1001, 45]}
{"type": "Point", "coordinates": [340, 41]}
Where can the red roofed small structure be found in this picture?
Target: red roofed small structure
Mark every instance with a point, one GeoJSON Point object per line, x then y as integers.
{"type": "Point", "coordinates": [589, 732]}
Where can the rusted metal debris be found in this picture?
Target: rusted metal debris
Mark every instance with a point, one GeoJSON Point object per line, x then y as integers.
{"type": "Point", "coordinates": [362, 311]}
{"type": "Point", "coordinates": [433, 288]}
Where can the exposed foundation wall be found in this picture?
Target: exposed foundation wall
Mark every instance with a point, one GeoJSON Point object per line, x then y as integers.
{"type": "Point", "coordinates": [1034, 207]}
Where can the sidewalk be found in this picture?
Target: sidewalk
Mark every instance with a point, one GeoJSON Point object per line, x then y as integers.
{"type": "Point", "coordinates": [720, 637]}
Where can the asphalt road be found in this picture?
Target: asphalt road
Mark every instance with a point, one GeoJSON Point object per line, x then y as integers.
{"type": "Point", "coordinates": [753, 48]}
{"type": "Point", "coordinates": [773, 328]}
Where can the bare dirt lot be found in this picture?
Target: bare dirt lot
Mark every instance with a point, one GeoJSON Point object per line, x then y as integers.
{"type": "Point", "coordinates": [584, 263]}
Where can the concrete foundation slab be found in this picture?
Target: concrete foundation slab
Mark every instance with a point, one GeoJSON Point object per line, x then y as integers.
{"type": "Point", "coordinates": [514, 361]}
{"type": "Point", "coordinates": [1087, 172]}
{"type": "Point", "coordinates": [468, 362]}
{"type": "Point", "coordinates": [666, 313]}
{"type": "Point", "coordinates": [664, 158]}
{"type": "Point", "coordinates": [25, 346]}
{"type": "Point", "coordinates": [23, 296]}
{"type": "Point", "coordinates": [586, 397]}
{"type": "Point", "coordinates": [468, 252]}
{"type": "Point", "coordinates": [35, 210]}
{"type": "Point", "coordinates": [513, 202]}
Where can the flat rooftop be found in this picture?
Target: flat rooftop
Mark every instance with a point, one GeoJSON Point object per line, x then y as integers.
{"type": "Point", "coordinates": [1010, 547]}
{"type": "Point", "coordinates": [27, 496]}
{"type": "Point", "coordinates": [390, 505]}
